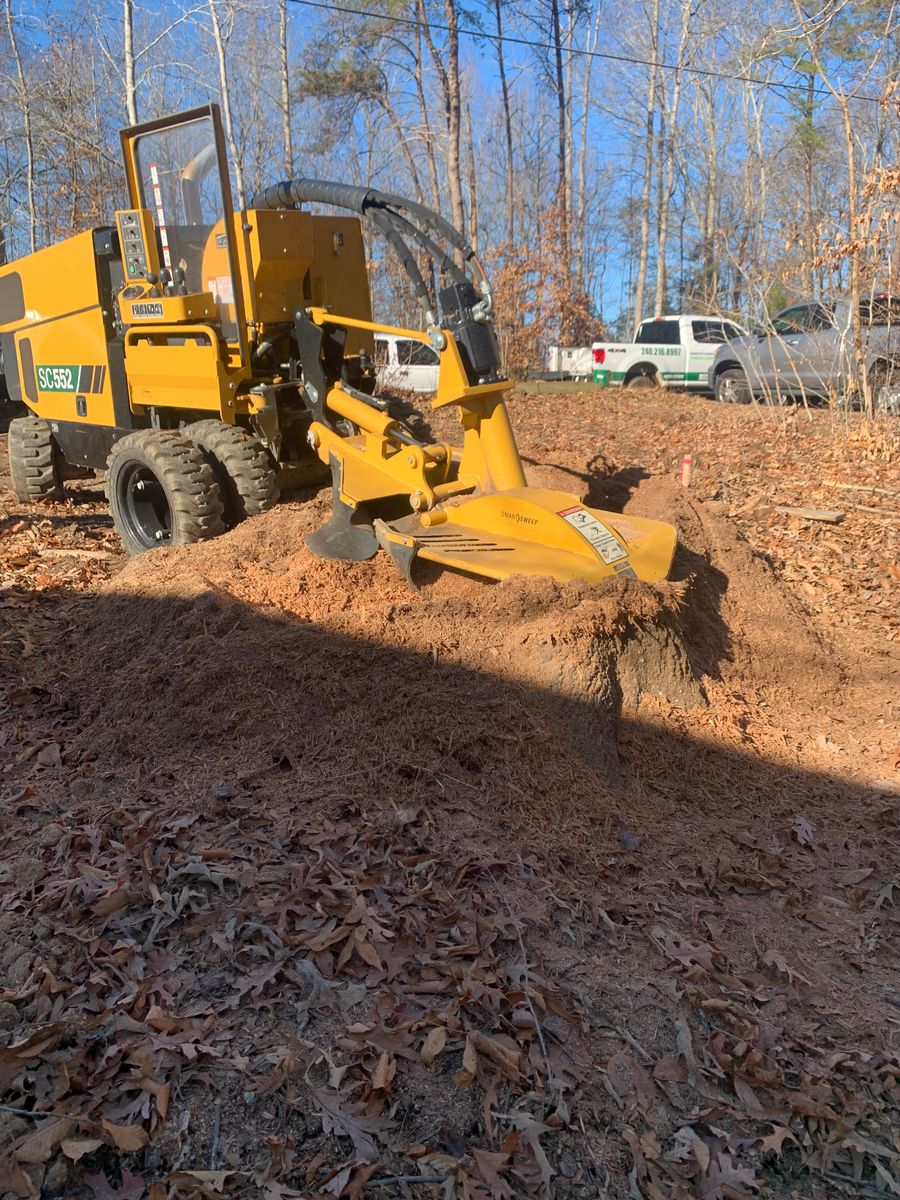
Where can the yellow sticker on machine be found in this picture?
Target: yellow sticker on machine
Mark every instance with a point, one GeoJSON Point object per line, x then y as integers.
{"type": "Point", "coordinates": [603, 540]}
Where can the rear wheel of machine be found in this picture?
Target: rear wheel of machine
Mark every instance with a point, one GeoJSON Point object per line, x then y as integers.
{"type": "Point", "coordinates": [241, 467]}
{"type": "Point", "coordinates": [162, 491]}
{"type": "Point", "coordinates": [35, 464]}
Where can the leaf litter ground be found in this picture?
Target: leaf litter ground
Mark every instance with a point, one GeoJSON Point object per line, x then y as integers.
{"type": "Point", "coordinates": [314, 886]}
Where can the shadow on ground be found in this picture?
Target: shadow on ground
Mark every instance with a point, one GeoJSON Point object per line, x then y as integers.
{"type": "Point", "coordinates": [232, 794]}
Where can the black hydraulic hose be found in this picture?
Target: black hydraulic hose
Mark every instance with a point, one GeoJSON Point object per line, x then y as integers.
{"type": "Point", "coordinates": [430, 247]}
{"type": "Point", "coordinates": [366, 201]}
{"type": "Point", "coordinates": [435, 221]}
{"type": "Point", "coordinates": [409, 263]}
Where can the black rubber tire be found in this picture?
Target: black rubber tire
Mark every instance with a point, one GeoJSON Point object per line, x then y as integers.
{"type": "Point", "coordinates": [35, 463]}
{"type": "Point", "coordinates": [643, 380]}
{"type": "Point", "coordinates": [731, 387]}
{"type": "Point", "coordinates": [241, 466]}
{"type": "Point", "coordinates": [162, 491]}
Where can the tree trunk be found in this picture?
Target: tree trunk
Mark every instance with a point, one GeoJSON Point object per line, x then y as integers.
{"type": "Point", "coordinates": [454, 110]}
{"type": "Point", "coordinates": [582, 165]}
{"type": "Point", "coordinates": [808, 275]}
{"type": "Point", "coordinates": [556, 33]}
{"type": "Point", "coordinates": [130, 87]}
{"type": "Point", "coordinates": [507, 125]}
{"type": "Point", "coordinates": [648, 177]}
{"type": "Point", "coordinates": [473, 186]}
{"type": "Point", "coordinates": [427, 133]}
{"type": "Point", "coordinates": [446, 64]}
{"type": "Point", "coordinates": [286, 135]}
{"type": "Point", "coordinates": [226, 103]}
{"type": "Point", "coordinates": [668, 132]}
{"type": "Point", "coordinates": [25, 102]}
{"type": "Point", "coordinates": [859, 351]}
{"type": "Point", "coordinates": [710, 207]}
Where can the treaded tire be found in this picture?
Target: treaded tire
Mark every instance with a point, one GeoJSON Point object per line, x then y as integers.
{"type": "Point", "coordinates": [34, 461]}
{"type": "Point", "coordinates": [643, 379]}
{"type": "Point", "coordinates": [162, 491]}
{"type": "Point", "coordinates": [241, 466]}
{"type": "Point", "coordinates": [885, 385]}
{"type": "Point", "coordinates": [731, 387]}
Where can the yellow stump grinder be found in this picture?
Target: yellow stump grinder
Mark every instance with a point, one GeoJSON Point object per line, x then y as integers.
{"type": "Point", "coordinates": [194, 352]}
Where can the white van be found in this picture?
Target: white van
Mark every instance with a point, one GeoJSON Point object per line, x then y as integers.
{"type": "Point", "coordinates": [404, 363]}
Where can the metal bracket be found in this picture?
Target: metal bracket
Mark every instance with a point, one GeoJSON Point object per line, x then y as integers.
{"type": "Point", "coordinates": [403, 555]}
{"type": "Point", "coordinates": [348, 533]}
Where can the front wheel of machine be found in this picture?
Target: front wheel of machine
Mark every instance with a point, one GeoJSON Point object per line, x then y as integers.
{"type": "Point", "coordinates": [162, 491]}
{"type": "Point", "coordinates": [731, 387]}
{"type": "Point", "coordinates": [35, 466]}
{"type": "Point", "coordinates": [241, 467]}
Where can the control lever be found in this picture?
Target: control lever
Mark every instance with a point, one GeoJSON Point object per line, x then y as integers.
{"type": "Point", "coordinates": [178, 288]}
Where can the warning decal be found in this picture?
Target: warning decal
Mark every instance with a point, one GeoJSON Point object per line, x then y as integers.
{"type": "Point", "coordinates": [600, 537]}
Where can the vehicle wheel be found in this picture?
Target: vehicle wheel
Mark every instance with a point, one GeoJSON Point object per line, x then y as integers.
{"type": "Point", "coordinates": [35, 463]}
{"type": "Point", "coordinates": [732, 388]}
{"type": "Point", "coordinates": [241, 466]}
{"type": "Point", "coordinates": [643, 380]}
{"type": "Point", "coordinates": [885, 385]}
{"type": "Point", "coordinates": [162, 491]}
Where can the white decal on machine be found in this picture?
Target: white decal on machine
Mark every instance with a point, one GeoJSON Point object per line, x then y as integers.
{"type": "Point", "coordinates": [600, 537]}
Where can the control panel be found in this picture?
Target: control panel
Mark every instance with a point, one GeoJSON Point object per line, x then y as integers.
{"type": "Point", "coordinates": [137, 238]}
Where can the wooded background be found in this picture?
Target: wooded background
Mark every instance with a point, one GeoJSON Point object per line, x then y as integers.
{"type": "Point", "coordinates": [609, 160]}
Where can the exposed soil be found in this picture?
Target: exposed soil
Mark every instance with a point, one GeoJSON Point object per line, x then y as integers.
{"type": "Point", "coordinates": [313, 885]}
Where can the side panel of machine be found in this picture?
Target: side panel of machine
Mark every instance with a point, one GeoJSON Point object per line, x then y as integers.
{"type": "Point", "coordinates": [338, 277]}
{"type": "Point", "coordinates": [55, 340]}
{"type": "Point", "coordinates": [275, 249]}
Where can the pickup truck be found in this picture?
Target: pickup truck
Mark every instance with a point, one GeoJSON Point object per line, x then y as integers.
{"type": "Point", "coordinates": [569, 362]}
{"type": "Point", "coordinates": [404, 363]}
{"type": "Point", "coordinates": [806, 351]}
{"type": "Point", "coordinates": [670, 351]}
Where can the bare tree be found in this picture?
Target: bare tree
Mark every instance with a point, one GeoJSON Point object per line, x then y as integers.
{"type": "Point", "coordinates": [668, 133]}
{"type": "Point", "coordinates": [128, 49]}
{"type": "Point", "coordinates": [220, 41]}
{"type": "Point", "coordinates": [24, 99]}
{"type": "Point", "coordinates": [446, 65]}
{"type": "Point", "coordinates": [285, 90]}
{"type": "Point", "coordinates": [811, 31]}
{"type": "Point", "coordinates": [643, 251]}
{"type": "Point", "coordinates": [507, 129]}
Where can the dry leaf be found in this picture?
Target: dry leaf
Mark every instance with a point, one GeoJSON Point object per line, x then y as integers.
{"type": "Point", "coordinates": [384, 1072]}
{"type": "Point", "coordinates": [214, 1179]}
{"type": "Point", "coordinates": [126, 1137]}
{"type": "Point", "coordinates": [506, 1057]}
{"type": "Point", "coordinates": [76, 1148]}
{"type": "Point", "coordinates": [41, 1144]}
{"type": "Point", "coordinates": [349, 1119]}
{"type": "Point", "coordinates": [434, 1044]}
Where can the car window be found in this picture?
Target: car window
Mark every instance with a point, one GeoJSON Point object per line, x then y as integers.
{"type": "Point", "coordinates": [415, 354]}
{"type": "Point", "coordinates": [792, 320]}
{"type": "Point", "coordinates": [732, 331]}
{"type": "Point", "coordinates": [664, 333]}
{"type": "Point", "coordinates": [711, 332]}
{"type": "Point", "coordinates": [381, 351]}
{"type": "Point", "coordinates": [821, 316]}
{"type": "Point", "coordinates": [880, 310]}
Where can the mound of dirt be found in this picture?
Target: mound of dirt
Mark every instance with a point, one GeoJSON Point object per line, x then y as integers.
{"type": "Point", "coordinates": [293, 644]}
